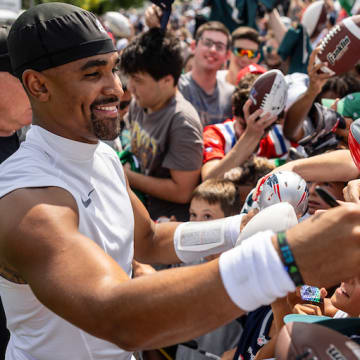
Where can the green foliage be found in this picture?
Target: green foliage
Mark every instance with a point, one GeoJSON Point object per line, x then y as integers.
{"type": "Point", "coordinates": [96, 6]}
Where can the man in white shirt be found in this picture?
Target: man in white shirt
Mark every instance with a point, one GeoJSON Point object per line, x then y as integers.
{"type": "Point", "coordinates": [70, 226]}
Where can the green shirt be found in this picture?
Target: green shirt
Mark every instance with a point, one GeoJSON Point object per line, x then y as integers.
{"type": "Point", "coordinates": [235, 13]}
{"type": "Point", "coordinates": [296, 46]}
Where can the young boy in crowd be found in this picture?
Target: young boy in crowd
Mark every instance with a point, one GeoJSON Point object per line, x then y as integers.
{"type": "Point", "coordinates": [213, 199]}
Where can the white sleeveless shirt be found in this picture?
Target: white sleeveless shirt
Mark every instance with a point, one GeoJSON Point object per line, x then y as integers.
{"type": "Point", "coordinates": [95, 178]}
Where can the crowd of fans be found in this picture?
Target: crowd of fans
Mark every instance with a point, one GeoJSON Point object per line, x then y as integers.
{"type": "Point", "coordinates": [192, 150]}
{"type": "Point", "coordinates": [217, 73]}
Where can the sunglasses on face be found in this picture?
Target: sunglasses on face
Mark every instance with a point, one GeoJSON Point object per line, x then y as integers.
{"type": "Point", "coordinates": [219, 46]}
{"type": "Point", "coordinates": [251, 54]}
{"type": "Point", "coordinates": [124, 104]}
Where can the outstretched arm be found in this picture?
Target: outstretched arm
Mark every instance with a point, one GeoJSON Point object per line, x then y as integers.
{"type": "Point", "coordinates": [295, 116]}
{"type": "Point", "coordinates": [73, 277]}
{"type": "Point", "coordinates": [244, 146]}
{"type": "Point", "coordinates": [332, 166]}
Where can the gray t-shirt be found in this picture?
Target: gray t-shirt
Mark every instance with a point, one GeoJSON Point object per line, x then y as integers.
{"type": "Point", "coordinates": [214, 108]}
{"type": "Point", "coordinates": [170, 138]}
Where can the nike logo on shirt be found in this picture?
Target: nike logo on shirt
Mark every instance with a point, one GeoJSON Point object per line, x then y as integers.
{"type": "Point", "coordinates": [87, 202]}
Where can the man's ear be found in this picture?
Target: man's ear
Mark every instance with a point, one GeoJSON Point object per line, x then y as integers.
{"type": "Point", "coordinates": [168, 79]}
{"type": "Point", "coordinates": [193, 45]}
{"type": "Point", "coordinates": [35, 84]}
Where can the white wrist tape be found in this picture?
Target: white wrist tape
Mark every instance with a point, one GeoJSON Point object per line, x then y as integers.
{"type": "Point", "coordinates": [195, 240]}
{"type": "Point", "coordinates": [253, 274]}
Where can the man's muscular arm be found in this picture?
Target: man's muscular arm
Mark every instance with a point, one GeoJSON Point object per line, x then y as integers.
{"type": "Point", "coordinates": [74, 278]}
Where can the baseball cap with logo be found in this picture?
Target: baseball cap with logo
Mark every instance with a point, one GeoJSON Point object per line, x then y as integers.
{"type": "Point", "coordinates": [348, 106]}
{"type": "Point", "coordinates": [53, 34]}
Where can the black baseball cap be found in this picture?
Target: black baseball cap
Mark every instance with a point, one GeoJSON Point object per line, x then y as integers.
{"type": "Point", "coordinates": [54, 34]}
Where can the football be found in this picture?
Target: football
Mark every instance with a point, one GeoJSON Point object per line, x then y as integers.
{"type": "Point", "coordinates": [278, 217]}
{"type": "Point", "coordinates": [340, 47]}
{"type": "Point", "coordinates": [298, 340]}
{"type": "Point", "coordinates": [314, 18]}
{"type": "Point", "coordinates": [269, 93]}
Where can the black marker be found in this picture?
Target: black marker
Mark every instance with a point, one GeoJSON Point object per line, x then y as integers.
{"type": "Point", "coordinates": [326, 196]}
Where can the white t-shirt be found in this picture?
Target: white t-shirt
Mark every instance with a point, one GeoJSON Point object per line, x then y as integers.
{"type": "Point", "coordinates": [95, 178]}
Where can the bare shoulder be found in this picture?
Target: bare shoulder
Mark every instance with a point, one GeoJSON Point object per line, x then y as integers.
{"type": "Point", "coordinates": [36, 205]}
{"type": "Point", "coordinates": [31, 219]}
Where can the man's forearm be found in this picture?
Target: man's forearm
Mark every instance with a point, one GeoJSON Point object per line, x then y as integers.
{"type": "Point", "coordinates": [231, 280]}
{"type": "Point", "coordinates": [333, 166]}
{"type": "Point", "coordinates": [164, 189]}
{"type": "Point", "coordinates": [295, 116]}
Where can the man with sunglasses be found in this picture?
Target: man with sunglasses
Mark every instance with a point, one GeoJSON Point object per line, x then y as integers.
{"type": "Point", "coordinates": [245, 42]}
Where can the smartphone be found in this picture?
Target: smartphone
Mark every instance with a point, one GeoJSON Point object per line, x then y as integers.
{"type": "Point", "coordinates": [310, 293]}
{"type": "Point", "coordinates": [326, 196]}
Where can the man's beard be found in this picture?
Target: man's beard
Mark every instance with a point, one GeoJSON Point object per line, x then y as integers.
{"type": "Point", "coordinates": [106, 128]}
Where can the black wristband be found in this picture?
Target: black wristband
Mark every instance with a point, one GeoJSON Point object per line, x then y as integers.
{"type": "Point", "coordinates": [288, 260]}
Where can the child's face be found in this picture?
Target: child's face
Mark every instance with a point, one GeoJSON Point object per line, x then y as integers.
{"type": "Point", "coordinates": [201, 210]}
{"type": "Point", "coordinates": [347, 297]}
{"type": "Point", "coordinates": [315, 201]}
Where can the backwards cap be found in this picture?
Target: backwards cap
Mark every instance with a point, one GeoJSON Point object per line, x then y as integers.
{"type": "Point", "coordinates": [54, 34]}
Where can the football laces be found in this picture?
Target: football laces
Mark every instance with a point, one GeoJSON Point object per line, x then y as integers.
{"type": "Point", "coordinates": [328, 37]}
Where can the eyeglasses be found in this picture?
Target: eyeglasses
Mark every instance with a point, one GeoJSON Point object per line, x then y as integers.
{"type": "Point", "coordinates": [124, 104]}
{"type": "Point", "coordinates": [242, 52]}
{"type": "Point", "coordinates": [219, 46]}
